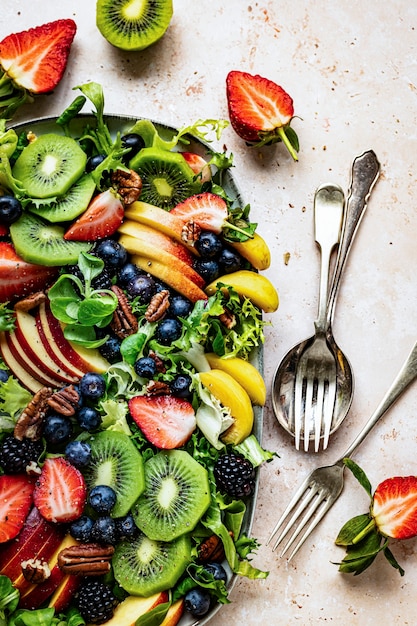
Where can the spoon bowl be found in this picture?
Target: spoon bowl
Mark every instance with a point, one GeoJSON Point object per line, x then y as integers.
{"type": "Point", "coordinates": [365, 172]}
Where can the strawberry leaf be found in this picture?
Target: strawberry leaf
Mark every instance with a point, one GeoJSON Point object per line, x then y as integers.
{"type": "Point", "coordinates": [350, 530]}
{"type": "Point", "coordinates": [360, 556]}
{"type": "Point", "coordinates": [392, 560]}
{"type": "Point", "coordinates": [359, 474]}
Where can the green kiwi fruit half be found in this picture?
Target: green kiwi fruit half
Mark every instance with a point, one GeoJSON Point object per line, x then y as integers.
{"type": "Point", "coordinates": [44, 244]}
{"type": "Point", "coordinates": [49, 165]}
{"type": "Point", "coordinates": [167, 179]}
{"type": "Point", "coordinates": [176, 495]}
{"type": "Point", "coordinates": [69, 206]}
{"type": "Point", "coordinates": [133, 24]}
{"type": "Point", "coordinates": [144, 567]}
{"type": "Point", "coordinates": [116, 462]}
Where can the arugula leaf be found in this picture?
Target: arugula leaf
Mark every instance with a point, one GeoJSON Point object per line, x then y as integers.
{"type": "Point", "coordinates": [9, 599]}
{"type": "Point", "coordinates": [7, 318]}
{"type": "Point", "coordinates": [251, 449]}
{"type": "Point", "coordinates": [155, 617]}
{"type": "Point", "coordinates": [13, 399]}
{"type": "Point", "coordinates": [8, 139]}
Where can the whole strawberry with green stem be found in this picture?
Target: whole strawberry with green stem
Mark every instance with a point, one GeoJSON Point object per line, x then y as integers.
{"type": "Point", "coordinates": [260, 111]}
{"type": "Point", "coordinates": [33, 62]}
{"type": "Point", "coordinates": [392, 515]}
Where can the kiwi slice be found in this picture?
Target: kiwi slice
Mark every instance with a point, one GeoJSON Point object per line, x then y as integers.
{"type": "Point", "coordinates": [167, 179]}
{"type": "Point", "coordinates": [69, 206]}
{"type": "Point", "coordinates": [44, 244]}
{"type": "Point", "coordinates": [49, 165]}
{"type": "Point", "coordinates": [144, 567]}
{"type": "Point", "coordinates": [117, 463]}
{"type": "Point", "coordinates": [176, 495]}
{"type": "Point", "coordinates": [133, 24]}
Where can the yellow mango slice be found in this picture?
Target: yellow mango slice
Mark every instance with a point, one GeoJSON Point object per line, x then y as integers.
{"type": "Point", "coordinates": [256, 287]}
{"type": "Point", "coordinates": [244, 372]}
{"type": "Point", "coordinates": [231, 394]}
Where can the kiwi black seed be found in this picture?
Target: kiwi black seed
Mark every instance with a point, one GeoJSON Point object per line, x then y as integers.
{"type": "Point", "coordinates": [167, 179]}
{"type": "Point", "coordinates": [116, 462]}
{"type": "Point", "coordinates": [69, 206]}
{"type": "Point", "coordinates": [49, 165]}
{"type": "Point", "coordinates": [144, 567]}
{"type": "Point", "coordinates": [38, 242]}
{"type": "Point", "coordinates": [133, 24]}
{"type": "Point", "coordinates": [176, 495]}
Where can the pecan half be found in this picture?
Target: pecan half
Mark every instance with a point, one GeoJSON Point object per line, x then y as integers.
{"type": "Point", "coordinates": [128, 184]}
{"type": "Point", "coordinates": [158, 388]}
{"type": "Point", "coordinates": [211, 549]}
{"type": "Point", "coordinates": [190, 232]}
{"type": "Point", "coordinates": [228, 319]}
{"type": "Point", "coordinates": [35, 571]}
{"type": "Point", "coordinates": [65, 401]}
{"type": "Point", "coordinates": [160, 367]}
{"type": "Point", "coordinates": [32, 301]}
{"type": "Point", "coordinates": [157, 306]}
{"type": "Point", "coordinates": [86, 559]}
{"type": "Point", "coordinates": [31, 419]}
{"type": "Point", "coordinates": [124, 322]}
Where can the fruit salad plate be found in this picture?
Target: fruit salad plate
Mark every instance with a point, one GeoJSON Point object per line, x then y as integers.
{"type": "Point", "coordinates": [41, 339]}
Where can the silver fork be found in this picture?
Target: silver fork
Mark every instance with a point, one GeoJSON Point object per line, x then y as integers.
{"type": "Point", "coordinates": [315, 381]}
{"type": "Point", "coordinates": [323, 486]}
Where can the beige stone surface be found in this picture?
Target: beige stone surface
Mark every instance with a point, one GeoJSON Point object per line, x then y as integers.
{"type": "Point", "coordinates": [351, 68]}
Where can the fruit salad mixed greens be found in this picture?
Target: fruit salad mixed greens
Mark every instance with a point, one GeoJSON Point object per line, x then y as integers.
{"type": "Point", "coordinates": [131, 319]}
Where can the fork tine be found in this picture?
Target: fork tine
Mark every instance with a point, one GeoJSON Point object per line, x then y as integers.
{"type": "Point", "coordinates": [308, 411]}
{"type": "Point", "coordinates": [328, 412]}
{"type": "Point", "coordinates": [315, 500]}
{"type": "Point", "coordinates": [307, 532]}
{"type": "Point", "coordinates": [298, 394]}
{"type": "Point", "coordinates": [292, 504]}
{"type": "Point", "coordinates": [320, 403]}
{"type": "Point", "coordinates": [302, 506]}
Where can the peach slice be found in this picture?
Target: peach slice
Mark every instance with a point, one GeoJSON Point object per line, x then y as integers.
{"type": "Point", "coordinates": [171, 277]}
{"type": "Point", "coordinates": [146, 249]}
{"type": "Point", "coordinates": [252, 285]}
{"type": "Point", "coordinates": [244, 372]}
{"type": "Point", "coordinates": [231, 394]}
{"type": "Point", "coordinates": [158, 239]}
{"type": "Point", "coordinates": [157, 218]}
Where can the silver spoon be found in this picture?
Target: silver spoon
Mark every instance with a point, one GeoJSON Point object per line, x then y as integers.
{"type": "Point", "coordinates": [365, 172]}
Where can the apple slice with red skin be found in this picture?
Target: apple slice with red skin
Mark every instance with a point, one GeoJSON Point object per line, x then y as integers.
{"type": "Point", "coordinates": [128, 611]}
{"type": "Point", "coordinates": [171, 277]}
{"type": "Point", "coordinates": [38, 538]}
{"type": "Point", "coordinates": [27, 334]}
{"type": "Point", "coordinates": [36, 594]}
{"type": "Point", "coordinates": [174, 614]}
{"type": "Point", "coordinates": [145, 249]}
{"type": "Point", "coordinates": [64, 593]}
{"type": "Point", "coordinates": [19, 354]}
{"type": "Point", "coordinates": [26, 379]}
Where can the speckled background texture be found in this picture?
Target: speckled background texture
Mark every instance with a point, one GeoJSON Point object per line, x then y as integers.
{"type": "Point", "coordinates": [351, 68]}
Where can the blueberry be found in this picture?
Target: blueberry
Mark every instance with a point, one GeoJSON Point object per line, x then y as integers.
{"type": "Point", "coordinates": [10, 209]}
{"type": "Point", "coordinates": [112, 253]}
{"type": "Point", "coordinates": [142, 287]}
{"type": "Point", "coordinates": [145, 367]}
{"type": "Point", "coordinates": [102, 499]}
{"type": "Point", "coordinates": [229, 261]}
{"type": "Point", "coordinates": [104, 530]}
{"type": "Point", "coordinates": [218, 571]}
{"type": "Point", "coordinates": [207, 268]}
{"type": "Point", "coordinates": [197, 601]}
{"type": "Point", "coordinates": [111, 349]}
{"type": "Point", "coordinates": [78, 453]}
{"type": "Point", "coordinates": [94, 161]}
{"type": "Point", "coordinates": [134, 142]}
{"type": "Point", "coordinates": [126, 527]}
{"type": "Point", "coordinates": [127, 273]}
{"type": "Point", "coordinates": [88, 418]}
{"type": "Point", "coordinates": [81, 528]}
{"type": "Point", "coordinates": [168, 330]}
{"type": "Point", "coordinates": [92, 386]}
{"type": "Point", "coordinates": [208, 244]}
{"type": "Point", "coordinates": [57, 429]}
{"type": "Point", "coordinates": [179, 306]}
{"type": "Point", "coordinates": [4, 375]}
{"type": "Point", "coordinates": [181, 386]}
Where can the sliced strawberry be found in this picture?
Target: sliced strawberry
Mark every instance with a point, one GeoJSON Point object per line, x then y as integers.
{"type": "Point", "coordinates": [166, 421]}
{"type": "Point", "coordinates": [259, 109]}
{"type": "Point", "coordinates": [18, 278]}
{"type": "Point", "coordinates": [199, 165]}
{"type": "Point", "coordinates": [101, 219]}
{"type": "Point", "coordinates": [60, 491]}
{"type": "Point", "coordinates": [35, 59]}
{"type": "Point", "coordinates": [394, 507]}
{"type": "Point", "coordinates": [207, 210]}
{"type": "Point", "coordinates": [15, 502]}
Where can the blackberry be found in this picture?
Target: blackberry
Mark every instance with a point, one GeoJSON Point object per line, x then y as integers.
{"type": "Point", "coordinates": [16, 455]}
{"type": "Point", "coordinates": [95, 601]}
{"type": "Point", "coordinates": [235, 475]}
